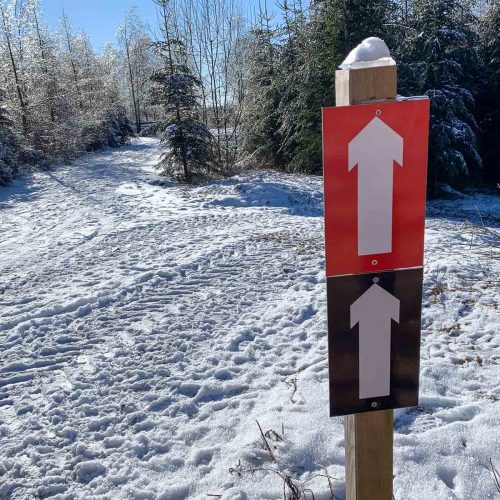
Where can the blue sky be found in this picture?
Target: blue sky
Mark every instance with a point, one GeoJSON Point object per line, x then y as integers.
{"type": "Point", "coordinates": [100, 18]}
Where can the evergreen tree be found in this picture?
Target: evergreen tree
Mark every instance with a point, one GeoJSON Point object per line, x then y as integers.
{"type": "Point", "coordinates": [357, 20]}
{"type": "Point", "coordinates": [189, 143]}
{"type": "Point", "coordinates": [438, 60]}
{"type": "Point", "coordinates": [10, 147]}
{"type": "Point", "coordinates": [301, 74]}
{"type": "Point", "coordinates": [334, 28]}
{"type": "Point", "coordinates": [111, 128]}
{"type": "Point", "coordinates": [262, 141]}
{"type": "Point", "coordinates": [488, 104]}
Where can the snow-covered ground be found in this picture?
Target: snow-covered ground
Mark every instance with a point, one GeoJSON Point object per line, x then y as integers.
{"type": "Point", "coordinates": [145, 329]}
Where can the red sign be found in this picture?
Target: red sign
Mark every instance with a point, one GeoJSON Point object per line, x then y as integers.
{"type": "Point", "coordinates": [375, 173]}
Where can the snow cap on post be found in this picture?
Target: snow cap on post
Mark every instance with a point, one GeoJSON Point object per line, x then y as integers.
{"type": "Point", "coordinates": [371, 52]}
{"type": "Point", "coordinates": [368, 74]}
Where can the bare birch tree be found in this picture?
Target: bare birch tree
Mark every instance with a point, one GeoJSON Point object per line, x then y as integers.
{"type": "Point", "coordinates": [138, 54]}
{"type": "Point", "coordinates": [214, 31]}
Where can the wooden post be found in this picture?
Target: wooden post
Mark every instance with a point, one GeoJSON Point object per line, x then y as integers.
{"type": "Point", "coordinates": [368, 455]}
{"type": "Point", "coordinates": [361, 86]}
{"type": "Point", "coordinates": [368, 436]}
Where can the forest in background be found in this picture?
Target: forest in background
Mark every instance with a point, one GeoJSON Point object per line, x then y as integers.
{"type": "Point", "coordinates": [226, 92]}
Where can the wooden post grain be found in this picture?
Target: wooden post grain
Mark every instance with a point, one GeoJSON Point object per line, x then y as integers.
{"type": "Point", "coordinates": [361, 86]}
{"type": "Point", "coordinates": [368, 436]}
{"type": "Point", "coordinates": [368, 455]}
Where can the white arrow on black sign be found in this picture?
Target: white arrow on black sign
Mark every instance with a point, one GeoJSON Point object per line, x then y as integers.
{"type": "Point", "coordinates": [374, 311]}
{"type": "Point", "coordinates": [374, 149]}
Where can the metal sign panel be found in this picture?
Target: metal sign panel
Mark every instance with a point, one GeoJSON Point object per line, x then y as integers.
{"type": "Point", "coordinates": [374, 340]}
{"type": "Point", "coordinates": [375, 171]}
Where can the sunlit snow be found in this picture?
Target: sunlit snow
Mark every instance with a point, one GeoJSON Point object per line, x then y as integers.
{"type": "Point", "coordinates": [370, 52]}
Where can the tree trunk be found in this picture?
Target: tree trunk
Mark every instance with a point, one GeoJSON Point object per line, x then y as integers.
{"type": "Point", "coordinates": [72, 62]}
{"type": "Point", "coordinates": [44, 67]}
{"type": "Point", "coordinates": [132, 85]}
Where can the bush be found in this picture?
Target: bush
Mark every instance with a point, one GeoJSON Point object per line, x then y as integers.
{"type": "Point", "coordinates": [10, 147]}
{"type": "Point", "coordinates": [112, 129]}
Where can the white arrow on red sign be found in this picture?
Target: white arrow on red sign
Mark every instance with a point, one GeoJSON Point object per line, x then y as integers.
{"type": "Point", "coordinates": [374, 150]}
{"type": "Point", "coordinates": [374, 311]}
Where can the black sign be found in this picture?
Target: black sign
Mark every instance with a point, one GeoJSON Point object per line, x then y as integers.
{"type": "Point", "coordinates": [374, 340]}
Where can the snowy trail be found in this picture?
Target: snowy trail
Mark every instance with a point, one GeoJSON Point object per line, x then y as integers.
{"type": "Point", "coordinates": [145, 328]}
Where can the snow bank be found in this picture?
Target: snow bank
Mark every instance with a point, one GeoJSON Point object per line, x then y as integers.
{"type": "Point", "coordinates": [267, 189]}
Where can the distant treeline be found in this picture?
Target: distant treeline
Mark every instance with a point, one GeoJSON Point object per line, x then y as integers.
{"type": "Point", "coordinates": [58, 97]}
{"type": "Point", "coordinates": [226, 92]}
